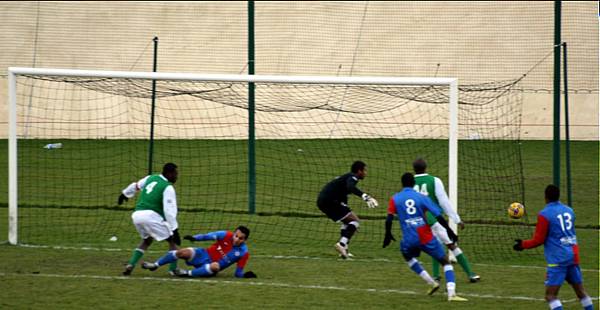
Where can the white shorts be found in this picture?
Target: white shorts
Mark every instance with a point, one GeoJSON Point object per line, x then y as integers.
{"type": "Point", "coordinates": [150, 224]}
{"type": "Point", "coordinates": [440, 233]}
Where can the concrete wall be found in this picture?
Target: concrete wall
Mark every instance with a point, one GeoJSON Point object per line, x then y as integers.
{"type": "Point", "coordinates": [477, 42]}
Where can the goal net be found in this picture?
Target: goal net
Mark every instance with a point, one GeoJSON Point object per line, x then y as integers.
{"type": "Point", "coordinates": [78, 138]}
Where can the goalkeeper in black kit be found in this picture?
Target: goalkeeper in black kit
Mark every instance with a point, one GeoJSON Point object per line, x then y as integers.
{"type": "Point", "coordinates": [333, 201]}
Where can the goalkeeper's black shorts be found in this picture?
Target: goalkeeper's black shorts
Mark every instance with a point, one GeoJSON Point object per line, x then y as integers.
{"type": "Point", "coordinates": [335, 210]}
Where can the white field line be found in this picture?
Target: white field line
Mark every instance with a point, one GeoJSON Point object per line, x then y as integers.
{"type": "Point", "coordinates": [272, 284]}
{"type": "Point", "coordinates": [385, 260]}
{"type": "Point", "coordinates": [261, 283]}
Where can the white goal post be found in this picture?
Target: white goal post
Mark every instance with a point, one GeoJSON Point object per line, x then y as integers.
{"type": "Point", "coordinates": [13, 72]}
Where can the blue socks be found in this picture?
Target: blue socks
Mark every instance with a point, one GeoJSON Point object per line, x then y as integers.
{"type": "Point", "coordinates": [586, 303]}
{"type": "Point", "coordinates": [449, 273]}
{"type": "Point", "coordinates": [555, 305]}
{"type": "Point", "coordinates": [415, 266]}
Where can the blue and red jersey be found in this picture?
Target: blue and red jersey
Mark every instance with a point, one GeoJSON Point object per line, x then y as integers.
{"type": "Point", "coordinates": [411, 207]}
{"type": "Point", "coordinates": [555, 229]}
{"type": "Point", "coordinates": [223, 251]}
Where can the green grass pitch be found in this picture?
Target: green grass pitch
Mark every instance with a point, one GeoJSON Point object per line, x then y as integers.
{"type": "Point", "coordinates": [292, 276]}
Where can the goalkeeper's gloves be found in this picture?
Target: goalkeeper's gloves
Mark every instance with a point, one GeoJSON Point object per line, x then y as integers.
{"type": "Point", "coordinates": [249, 274]}
{"type": "Point", "coordinates": [518, 245]}
{"type": "Point", "coordinates": [122, 198]}
{"type": "Point", "coordinates": [371, 202]}
{"type": "Point", "coordinates": [388, 239]}
{"type": "Point", "coordinates": [176, 237]}
{"type": "Point", "coordinates": [189, 237]}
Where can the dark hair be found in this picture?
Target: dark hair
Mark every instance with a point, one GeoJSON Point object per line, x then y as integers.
{"type": "Point", "coordinates": [552, 193]}
{"type": "Point", "coordinates": [419, 165]}
{"type": "Point", "coordinates": [408, 180]}
{"type": "Point", "coordinates": [168, 168]}
{"type": "Point", "coordinates": [244, 231]}
{"type": "Point", "coordinates": [357, 166]}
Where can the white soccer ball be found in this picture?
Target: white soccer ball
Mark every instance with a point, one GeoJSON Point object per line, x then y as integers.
{"type": "Point", "coordinates": [113, 238]}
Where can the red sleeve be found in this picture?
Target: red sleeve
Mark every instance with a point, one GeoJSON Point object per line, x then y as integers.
{"type": "Point", "coordinates": [242, 262]}
{"type": "Point", "coordinates": [539, 236]}
{"type": "Point", "coordinates": [391, 206]}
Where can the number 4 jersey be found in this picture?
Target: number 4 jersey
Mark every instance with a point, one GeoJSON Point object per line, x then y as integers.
{"type": "Point", "coordinates": [151, 196]}
{"type": "Point", "coordinates": [156, 194]}
{"type": "Point", "coordinates": [555, 229]}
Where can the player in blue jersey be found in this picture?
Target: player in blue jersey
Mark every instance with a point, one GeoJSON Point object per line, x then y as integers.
{"type": "Point", "coordinates": [411, 208]}
{"type": "Point", "coordinates": [433, 187]}
{"type": "Point", "coordinates": [229, 248]}
{"type": "Point", "coordinates": [555, 229]}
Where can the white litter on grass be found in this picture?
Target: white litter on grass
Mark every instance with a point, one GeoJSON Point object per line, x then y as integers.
{"type": "Point", "coordinates": [52, 146]}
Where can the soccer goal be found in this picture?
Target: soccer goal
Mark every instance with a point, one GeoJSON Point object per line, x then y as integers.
{"type": "Point", "coordinates": [77, 137]}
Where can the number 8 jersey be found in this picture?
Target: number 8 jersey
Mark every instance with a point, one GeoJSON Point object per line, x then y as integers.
{"type": "Point", "coordinates": [555, 228]}
{"type": "Point", "coordinates": [411, 207]}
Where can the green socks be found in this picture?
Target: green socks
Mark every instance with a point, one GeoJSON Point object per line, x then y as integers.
{"type": "Point", "coordinates": [464, 263]}
{"type": "Point", "coordinates": [436, 269]}
{"type": "Point", "coordinates": [137, 254]}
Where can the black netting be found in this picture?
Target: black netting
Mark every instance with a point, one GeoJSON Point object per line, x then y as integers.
{"type": "Point", "coordinates": [306, 134]}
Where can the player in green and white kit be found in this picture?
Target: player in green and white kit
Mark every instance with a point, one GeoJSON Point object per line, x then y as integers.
{"type": "Point", "coordinates": [155, 214]}
{"type": "Point", "coordinates": [433, 187]}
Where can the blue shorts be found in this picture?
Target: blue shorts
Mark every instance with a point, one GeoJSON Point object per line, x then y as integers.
{"type": "Point", "coordinates": [200, 258]}
{"type": "Point", "coordinates": [434, 248]}
{"type": "Point", "coordinates": [556, 275]}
